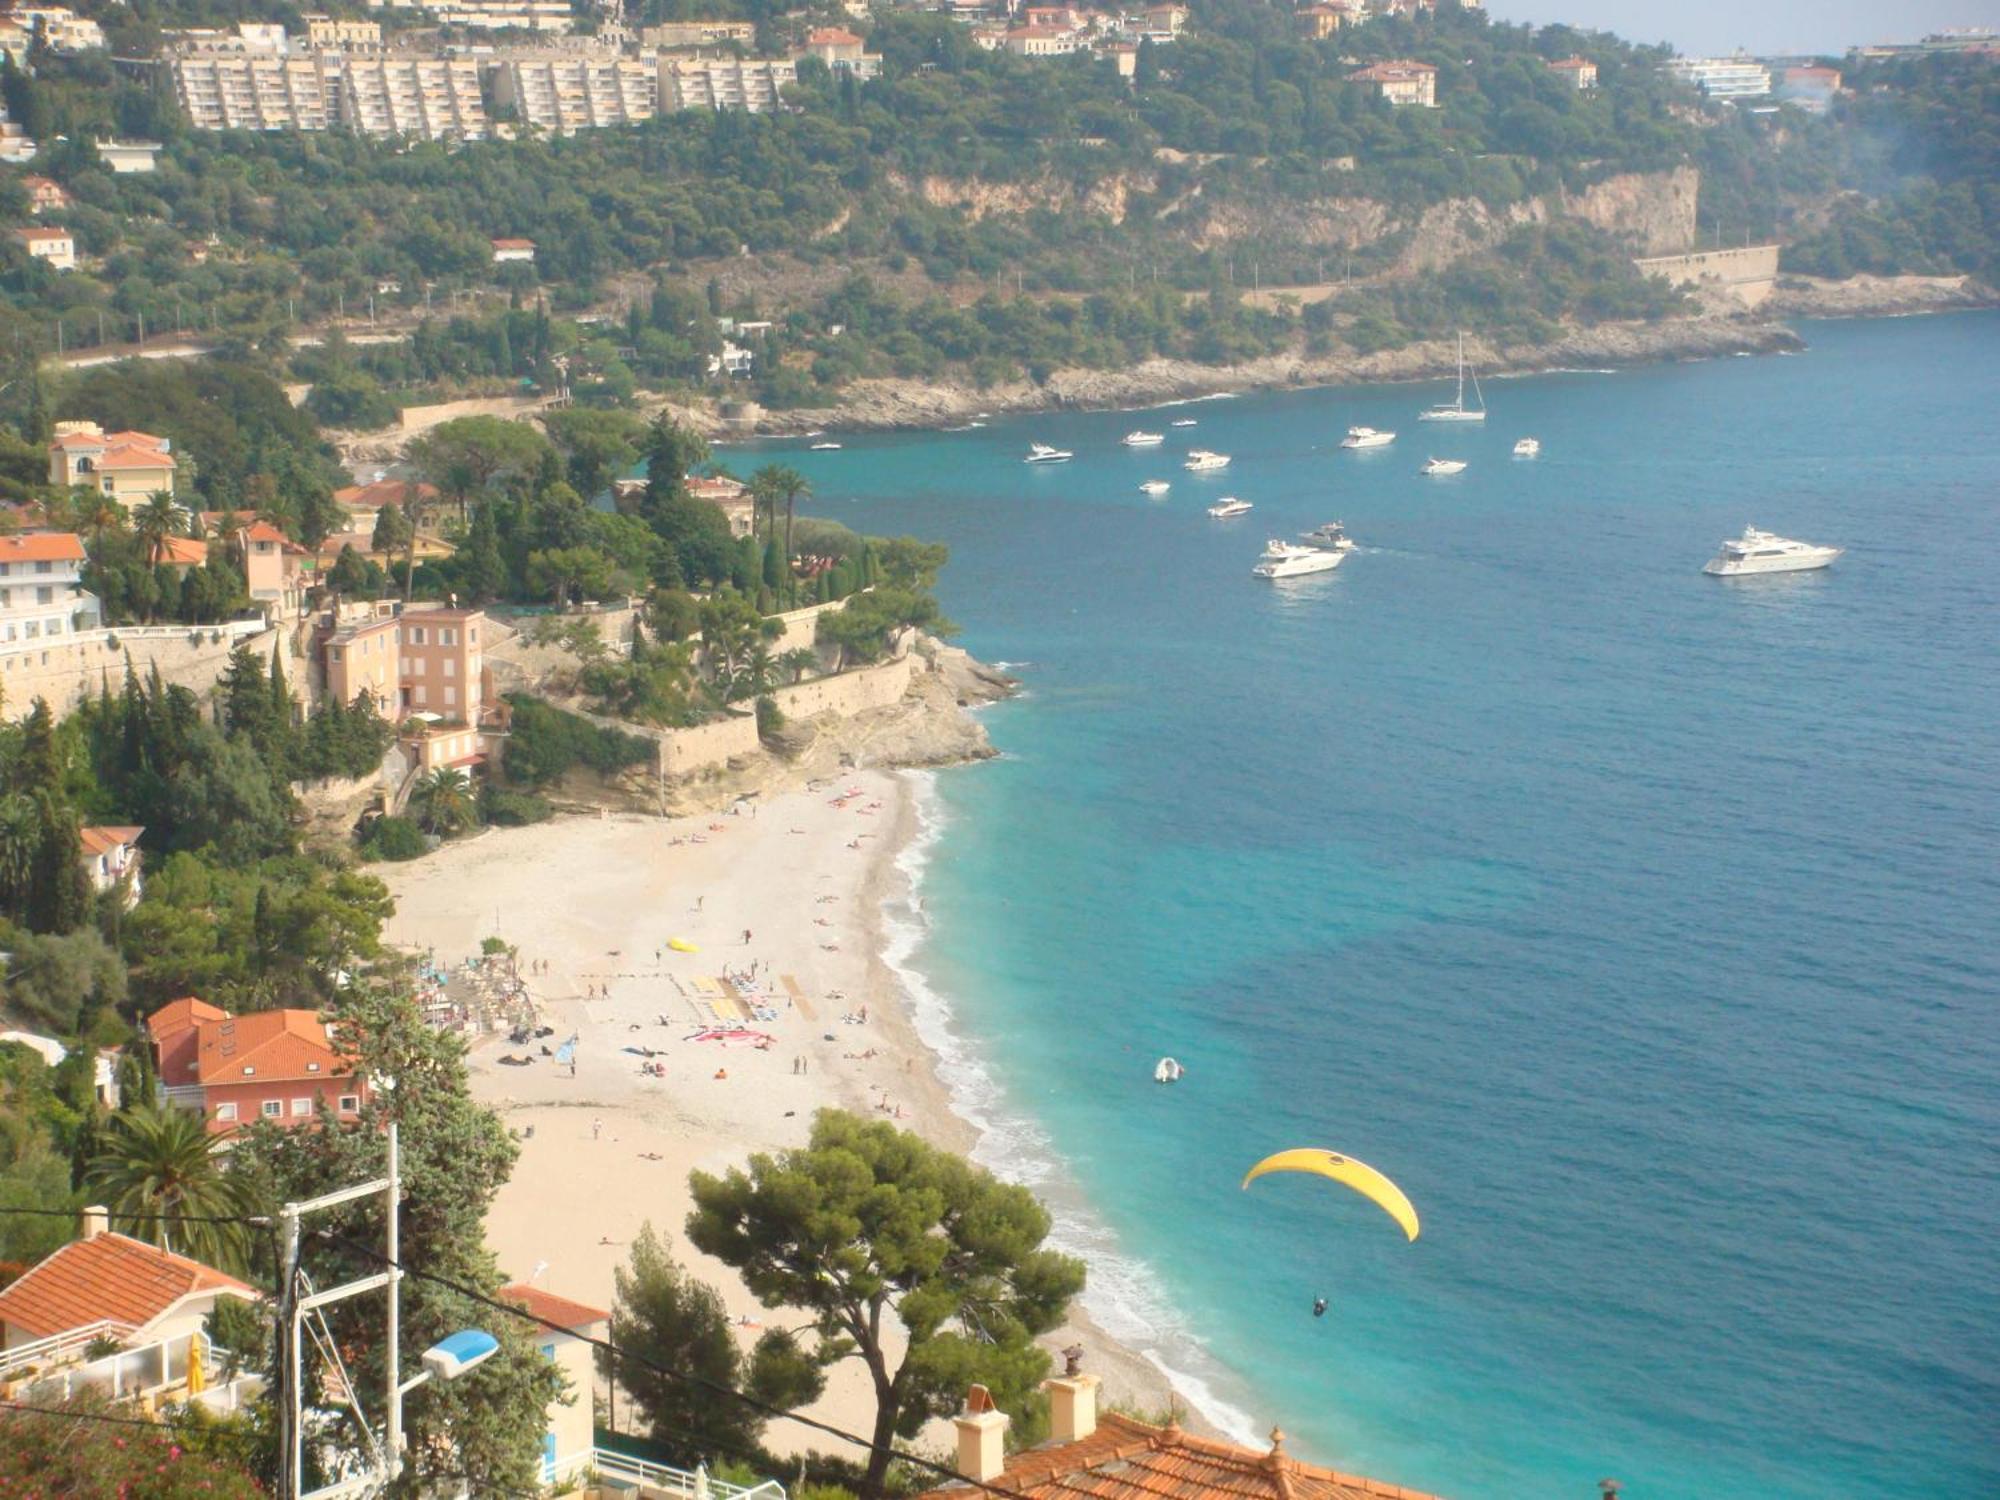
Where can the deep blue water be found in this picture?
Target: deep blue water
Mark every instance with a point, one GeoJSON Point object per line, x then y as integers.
{"type": "Point", "coordinates": [1645, 927]}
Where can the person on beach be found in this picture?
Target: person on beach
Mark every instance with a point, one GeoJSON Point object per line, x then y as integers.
{"type": "Point", "coordinates": [596, 1129]}
{"type": "Point", "coordinates": [746, 937]}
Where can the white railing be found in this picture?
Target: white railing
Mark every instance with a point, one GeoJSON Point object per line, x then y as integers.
{"type": "Point", "coordinates": [144, 1371]}
{"type": "Point", "coordinates": [622, 1469]}
{"type": "Point", "coordinates": [62, 1346]}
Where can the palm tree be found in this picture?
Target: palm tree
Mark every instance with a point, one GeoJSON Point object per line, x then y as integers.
{"type": "Point", "coordinates": [155, 521]}
{"type": "Point", "coordinates": [156, 1162]}
{"type": "Point", "coordinates": [20, 845]}
{"type": "Point", "coordinates": [799, 661]}
{"type": "Point", "coordinates": [770, 485]}
{"type": "Point", "coordinates": [96, 513]}
{"type": "Point", "coordinates": [445, 797]}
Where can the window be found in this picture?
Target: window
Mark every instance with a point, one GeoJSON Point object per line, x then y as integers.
{"type": "Point", "coordinates": [350, 1103]}
{"type": "Point", "coordinates": [45, 567]}
{"type": "Point", "coordinates": [420, 695]}
{"type": "Point", "coordinates": [450, 666]}
{"type": "Point", "coordinates": [417, 666]}
{"type": "Point", "coordinates": [225, 1111]}
{"type": "Point", "coordinates": [416, 635]}
{"type": "Point", "coordinates": [450, 697]}
{"type": "Point", "coordinates": [447, 637]}
{"type": "Point", "coordinates": [273, 1108]}
{"type": "Point", "coordinates": [302, 1107]}
{"type": "Point", "coordinates": [45, 595]}
{"type": "Point", "coordinates": [312, 1067]}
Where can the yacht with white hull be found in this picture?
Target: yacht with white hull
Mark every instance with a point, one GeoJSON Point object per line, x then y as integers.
{"type": "Point", "coordinates": [1456, 410]}
{"type": "Point", "coordinates": [1203, 461]}
{"type": "Point", "coordinates": [1436, 466]}
{"type": "Point", "coordinates": [1284, 560]}
{"type": "Point", "coordinates": [1760, 552]}
{"type": "Point", "coordinates": [1228, 506]}
{"type": "Point", "coordinates": [1143, 439]}
{"type": "Point", "coordinates": [1367, 437]}
{"type": "Point", "coordinates": [1042, 453]}
{"type": "Point", "coordinates": [1329, 536]}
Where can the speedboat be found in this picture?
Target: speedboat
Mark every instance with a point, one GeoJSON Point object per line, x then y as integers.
{"type": "Point", "coordinates": [1144, 439]}
{"type": "Point", "coordinates": [1184, 421]}
{"type": "Point", "coordinates": [1329, 536]}
{"type": "Point", "coordinates": [1760, 552]}
{"type": "Point", "coordinates": [1042, 453]}
{"type": "Point", "coordinates": [1367, 437]}
{"type": "Point", "coordinates": [1443, 466]}
{"type": "Point", "coordinates": [1528, 448]}
{"type": "Point", "coordinates": [1156, 486]}
{"type": "Point", "coordinates": [1284, 560]}
{"type": "Point", "coordinates": [1166, 1070]}
{"type": "Point", "coordinates": [1228, 506]}
{"type": "Point", "coordinates": [825, 448]}
{"type": "Point", "coordinates": [1456, 410]}
{"type": "Point", "coordinates": [1202, 461]}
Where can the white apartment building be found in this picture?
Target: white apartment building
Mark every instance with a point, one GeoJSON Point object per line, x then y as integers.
{"type": "Point", "coordinates": [755, 84]}
{"type": "Point", "coordinates": [551, 17]}
{"type": "Point", "coordinates": [333, 34]}
{"type": "Point", "coordinates": [219, 92]}
{"type": "Point", "coordinates": [671, 34]}
{"type": "Point", "coordinates": [569, 94]}
{"type": "Point", "coordinates": [432, 97]}
{"type": "Point", "coordinates": [41, 588]}
{"type": "Point", "coordinates": [1723, 77]}
{"type": "Point", "coordinates": [62, 28]}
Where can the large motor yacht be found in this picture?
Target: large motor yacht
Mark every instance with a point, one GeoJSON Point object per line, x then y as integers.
{"type": "Point", "coordinates": [1283, 560]}
{"type": "Point", "coordinates": [1367, 437]}
{"type": "Point", "coordinates": [1203, 461]}
{"type": "Point", "coordinates": [1042, 453]}
{"type": "Point", "coordinates": [1528, 448]}
{"type": "Point", "coordinates": [1760, 552]}
{"type": "Point", "coordinates": [1156, 487]}
{"type": "Point", "coordinates": [1143, 439]}
{"type": "Point", "coordinates": [1443, 466]}
{"type": "Point", "coordinates": [1228, 506]}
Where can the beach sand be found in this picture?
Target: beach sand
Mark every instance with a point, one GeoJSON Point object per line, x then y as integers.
{"type": "Point", "coordinates": [609, 1149]}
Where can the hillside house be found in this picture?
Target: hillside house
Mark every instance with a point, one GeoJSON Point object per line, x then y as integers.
{"type": "Point", "coordinates": [111, 854]}
{"type": "Point", "coordinates": [128, 466]}
{"type": "Point", "coordinates": [45, 194]}
{"type": "Point", "coordinates": [276, 1065]}
{"type": "Point", "coordinates": [513, 252]}
{"type": "Point", "coordinates": [274, 566]}
{"type": "Point", "coordinates": [104, 1065]}
{"type": "Point", "coordinates": [364, 502]}
{"type": "Point", "coordinates": [730, 496]}
{"type": "Point", "coordinates": [843, 51]}
{"type": "Point", "coordinates": [41, 589]}
{"type": "Point", "coordinates": [568, 1442]}
{"type": "Point", "coordinates": [1579, 72]}
{"type": "Point", "coordinates": [53, 247]}
{"type": "Point", "coordinates": [1400, 81]}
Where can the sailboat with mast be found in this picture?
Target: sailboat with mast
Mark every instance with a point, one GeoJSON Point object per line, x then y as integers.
{"type": "Point", "coordinates": [1456, 410]}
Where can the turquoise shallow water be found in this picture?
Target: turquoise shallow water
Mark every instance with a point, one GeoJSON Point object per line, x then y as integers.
{"type": "Point", "coordinates": [1645, 927]}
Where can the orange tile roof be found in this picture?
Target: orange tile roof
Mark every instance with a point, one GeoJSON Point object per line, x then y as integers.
{"type": "Point", "coordinates": [183, 551]}
{"type": "Point", "coordinates": [137, 456]}
{"type": "Point", "coordinates": [575, 1316]}
{"type": "Point", "coordinates": [513, 244]}
{"type": "Point", "coordinates": [40, 236]}
{"type": "Point", "coordinates": [267, 1044]}
{"type": "Point", "coordinates": [383, 492]}
{"type": "Point", "coordinates": [103, 840]}
{"type": "Point", "coordinates": [182, 1014]}
{"type": "Point", "coordinates": [833, 36]}
{"type": "Point", "coordinates": [107, 1276]}
{"type": "Point", "coordinates": [42, 546]}
{"type": "Point", "coordinates": [1129, 1460]}
{"type": "Point", "coordinates": [1399, 71]}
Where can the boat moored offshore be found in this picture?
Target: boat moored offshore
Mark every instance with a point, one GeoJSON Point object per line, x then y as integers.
{"type": "Point", "coordinates": [1761, 552]}
{"type": "Point", "coordinates": [1205, 461]}
{"type": "Point", "coordinates": [1528, 448]}
{"type": "Point", "coordinates": [1285, 560]}
{"type": "Point", "coordinates": [1367, 437]}
{"type": "Point", "coordinates": [1330, 536]}
{"type": "Point", "coordinates": [1443, 466]}
{"type": "Point", "coordinates": [1042, 453]}
{"type": "Point", "coordinates": [1138, 439]}
{"type": "Point", "coordinates": [1229, 506]}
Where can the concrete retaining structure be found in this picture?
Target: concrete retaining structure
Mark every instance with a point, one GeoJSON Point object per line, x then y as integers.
{"type": "Point", "coordinates": [1747, 273]}
{"type": "Point", "coordinates": [189, 656]}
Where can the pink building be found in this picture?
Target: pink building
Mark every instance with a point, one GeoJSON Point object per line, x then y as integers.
{"type": "Point", "coordinates": [441, 660]}
{"type": "Point", "coordinates": [276, 1065]}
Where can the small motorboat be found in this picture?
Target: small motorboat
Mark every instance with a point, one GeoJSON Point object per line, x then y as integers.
{"type": "Point", "coordinates": [1042, 453]}
{"type": "Point", "coordinates": [1166, 1070]}
{"type": "Point", "coordinates": [1443, 466]}
{"type": "Point", "coordinates": [1528, 448]}
{"type": "Point", "coordinates": [1367, 437]}
{"type": "Point", "coordinates": [825, 448]}
{"type": "Point", "coordinates": [1143, 439]}
{"type": "Point", "coordinates": [1184, 421]}
{"type": "Point", "coordinates": [1156, 487]}
{"type": "Point", "coordinates": [1205, 461]}
{"type": "Point", "coordinates": [1229, 506]}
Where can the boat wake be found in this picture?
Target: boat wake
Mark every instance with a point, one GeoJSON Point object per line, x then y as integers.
{"type": "Point", "coordinates": [1124, 1297]}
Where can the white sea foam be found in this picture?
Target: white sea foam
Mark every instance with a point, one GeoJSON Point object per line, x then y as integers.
{"type": "Point", "coordinates": [1123, 1295]}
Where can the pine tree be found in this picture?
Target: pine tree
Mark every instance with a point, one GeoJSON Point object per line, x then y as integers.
{"type": "Point", "coordinates": [485, 569]}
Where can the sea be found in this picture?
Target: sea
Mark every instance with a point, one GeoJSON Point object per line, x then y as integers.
{"type": "Point", "coordinates": [1643, 926]}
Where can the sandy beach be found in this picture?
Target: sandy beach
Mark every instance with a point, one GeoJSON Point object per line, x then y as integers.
{"type": "Point", "coordinates": [792, 886]}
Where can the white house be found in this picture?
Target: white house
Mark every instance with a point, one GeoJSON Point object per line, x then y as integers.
{"type": "Point", "coordinates": [109, 856]}
{"type": "Point", "coordinates": [41, 589]}
{"type": "Point", "coordinates": [129, 156]}
{"type": "Point", "coordinates": [52, 245]}
{"type": "Point", "coordinates": [511, 251]}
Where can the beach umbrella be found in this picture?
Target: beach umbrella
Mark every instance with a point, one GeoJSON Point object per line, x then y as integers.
{"type": "Point", "coordinates": [1345, 1170]}
{"type": "Point", "coordinates": [681, 945]}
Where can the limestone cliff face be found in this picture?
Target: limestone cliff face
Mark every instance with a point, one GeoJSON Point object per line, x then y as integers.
{"type": "Point", "coordinates": [1653, 211]}
{"type": "Point", "coordinates": [1107, 198]}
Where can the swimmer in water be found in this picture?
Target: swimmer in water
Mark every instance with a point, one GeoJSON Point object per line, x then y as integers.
{"type": "Point", "coordinates": [1319, 1307]}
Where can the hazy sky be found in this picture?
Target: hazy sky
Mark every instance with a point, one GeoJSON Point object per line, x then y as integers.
{"type": "Point", "coordinates": [1721, 26]}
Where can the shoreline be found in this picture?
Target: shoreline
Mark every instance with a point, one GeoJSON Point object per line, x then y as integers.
{"type": "Point", "coordinates": [607, 1147]}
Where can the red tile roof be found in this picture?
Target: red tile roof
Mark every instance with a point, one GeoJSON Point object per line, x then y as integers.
{"type": "Point", "coordinates": [136, 456]}
{"type": "Point", "coordinates": [575, 1316]}
{"type": "Point", "coordinates": [107, 1276]}
{"type": "Point", "coordinates": [513, 244]}
{"type": "Point", "coordinates": [1129, 1460]}
{"type": "Point", "coordinates": [183, 551]}
{"type": "Point", "coordinates": [175, 1029]}
{"type": "Point", "coordinates": [42, 546]}
{"type": "Point", "coordinates": [103, 840]}
{"type": "Point", "coordinates": [832, 36]}
{"type": "Point", "coordinates": [267, 1044]}
{"type": "Point", "coordinates": [1400, 71]}
{"type": "Point", "coordinates": [384, 491]}
{"type": "Point", "coordinates": [40, 236]}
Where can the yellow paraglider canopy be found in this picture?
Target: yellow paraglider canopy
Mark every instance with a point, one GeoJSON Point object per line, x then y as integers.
{"type": "Point", "coordinates": [1358, 1175]}
{"type": "Point", "coordinates": [680, 945]}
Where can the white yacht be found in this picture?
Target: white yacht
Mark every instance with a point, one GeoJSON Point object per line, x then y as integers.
{"type": "Point", "coordinates": [1330, 536]}
{"type": "Point", "coordinates": [1166, 1070]}
{"type": "Point", "coordinates": [1760, 552]}
{"type": "Point", "coordinates": [1184, 421]}
{"type": "Point", "coordinates": [1284, 560]}
{"type": "Point", "coordinates": [1202, 461]}
{"type": "Point", "coordinates": [1144, 439]}
{"type": "Point", "coordinates": [1528, 448]}
{"type": "Point", "coordinates": [1228, 506]}
{"type": "Point", "coordinates": [1443, 466]}
{"type": "Point", "coordinates": [826, 447]}
{"type": "Point", "coordinates": [1456, 410]}
{"type": "Point", "coordinates": [1367, 437]}
{"type": "Point", "coordinates": [1156, 487]}
{"type": "Point", "coordinates": [1042, 453]}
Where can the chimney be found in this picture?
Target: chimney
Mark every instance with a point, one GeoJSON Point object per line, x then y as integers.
{"type": "Point", "coordinates": [1072, 1407]}
{"type": "Point", "coordinates": [96, 1220]}
{"type": "Point", "coordinates": [982, 1437]}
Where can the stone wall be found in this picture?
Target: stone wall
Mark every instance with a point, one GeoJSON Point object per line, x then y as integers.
{"type": "Point", "coordinates": [849, 693]}
{"type": "Point", "coordinates": [189, 656]}
{"type": "Point", "coordinates": [688, 752]}
{"type": "Point", "coordinates": [1746, 274]}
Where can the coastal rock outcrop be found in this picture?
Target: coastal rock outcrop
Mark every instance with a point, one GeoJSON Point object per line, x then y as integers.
{"type": "Point", "coordinates": [1876, 296]}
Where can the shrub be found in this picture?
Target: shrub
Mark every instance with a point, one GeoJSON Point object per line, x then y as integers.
{"type": "Point", "coordinates": [507, 809]}
{"type": "Point", "coordinates": [393, 838]}
{"type": "Point", "coordinates": [770, 718]}
{"type": "Point", "coordinates": [544, 741]}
